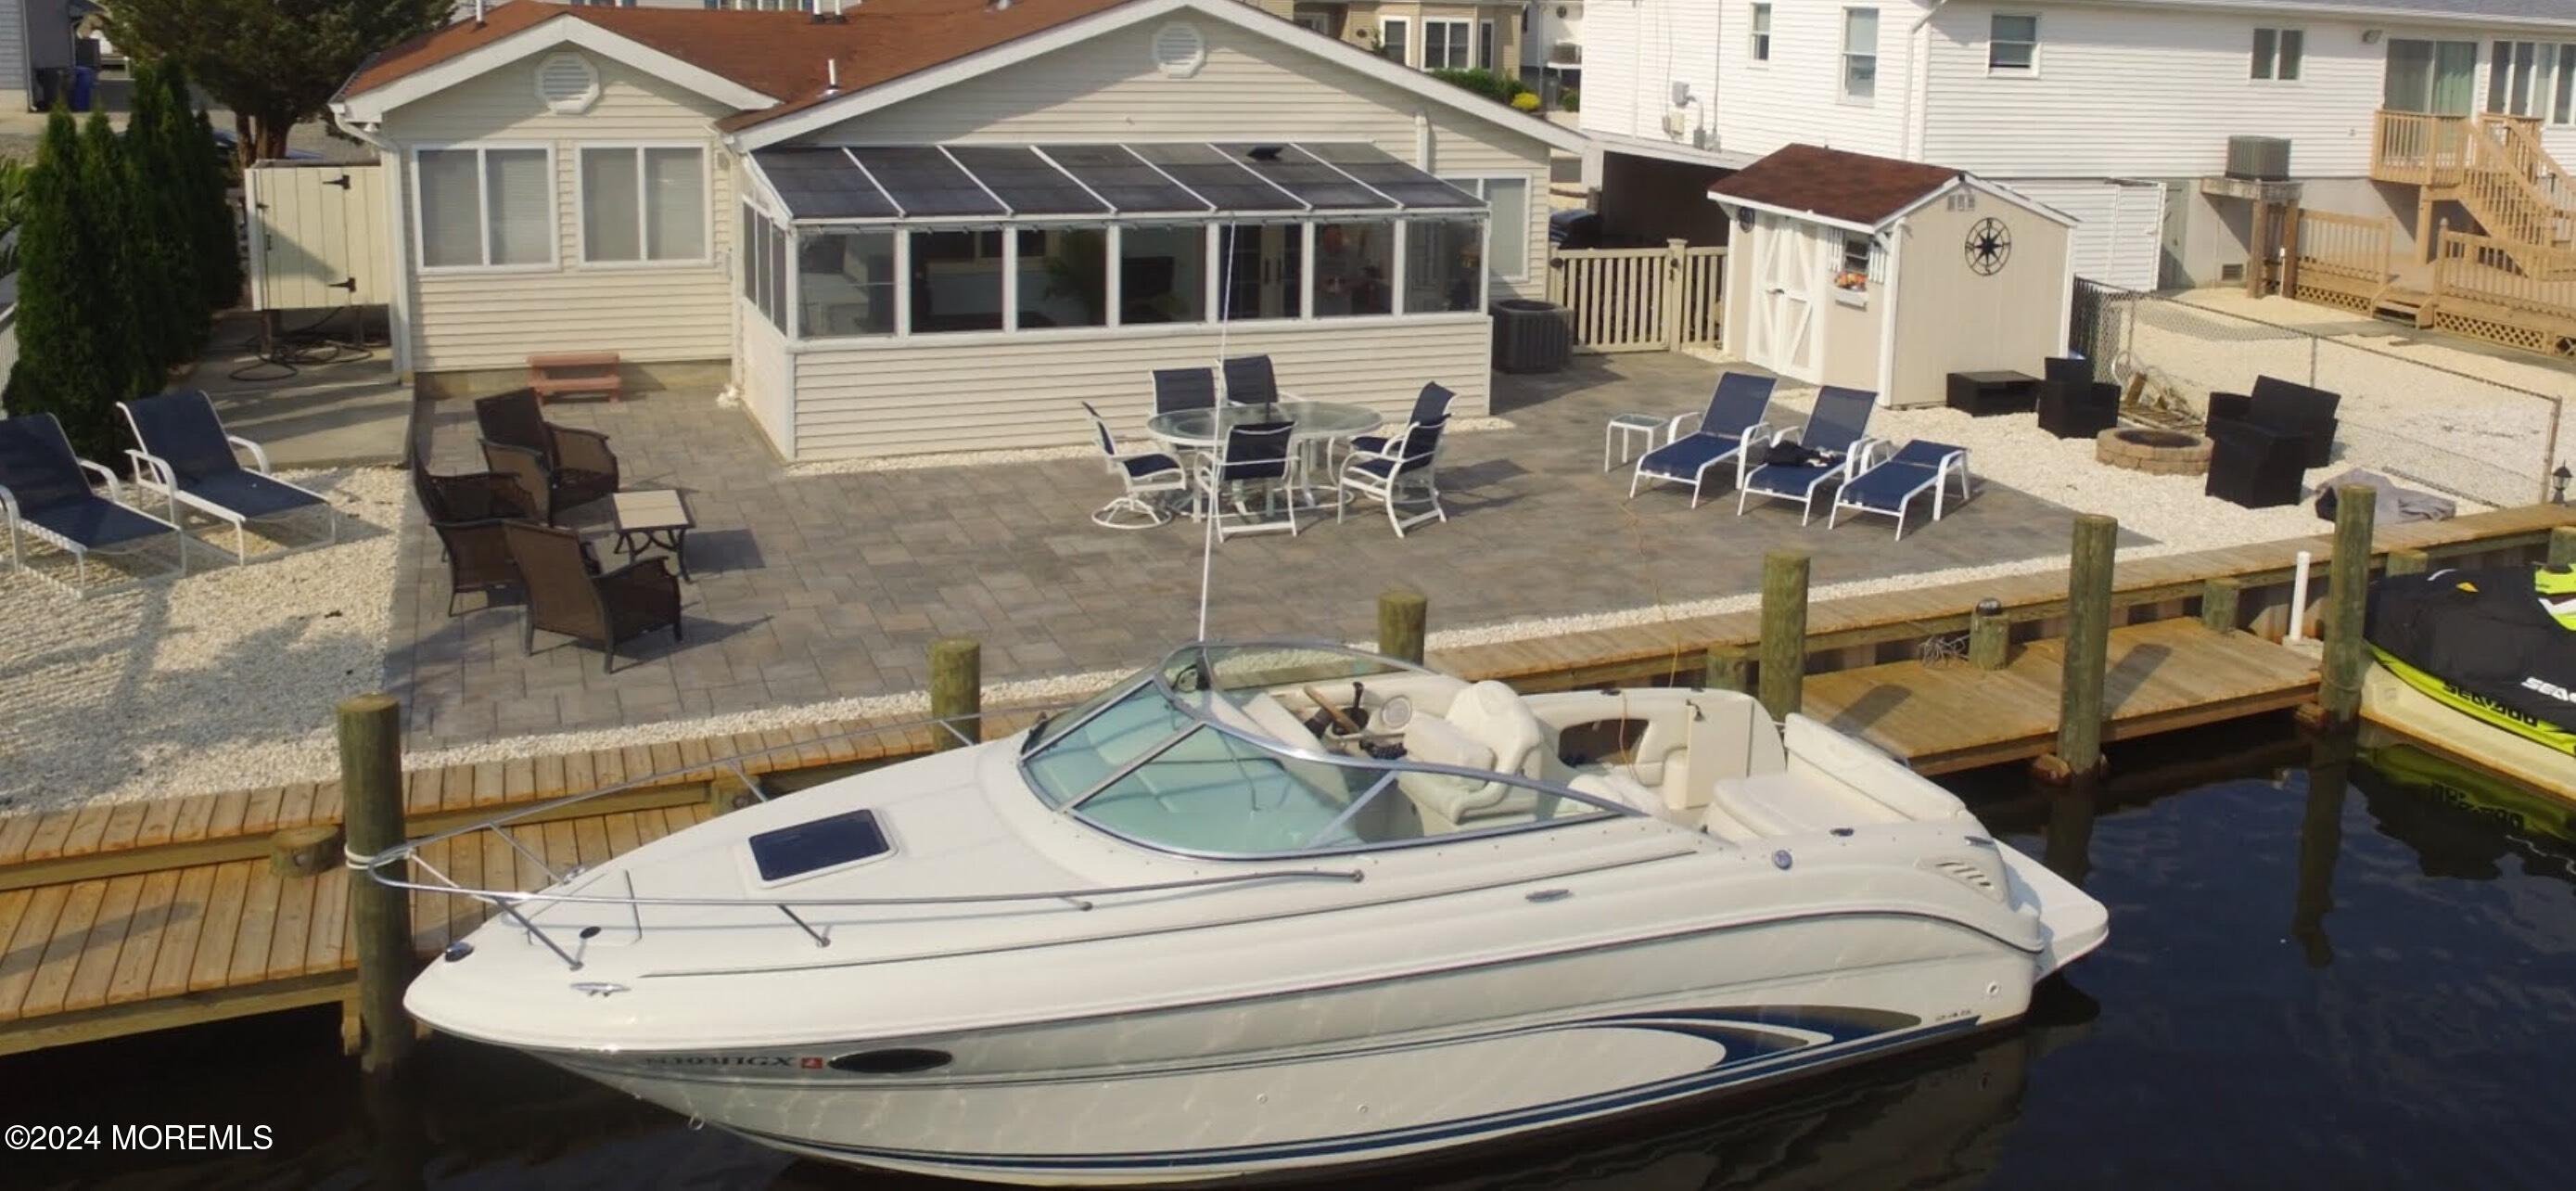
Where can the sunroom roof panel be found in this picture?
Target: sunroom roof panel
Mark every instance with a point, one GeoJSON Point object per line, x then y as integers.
{"type": "Point", "coordinates": [822, 184]}
{"type": "Point", "coordinates": [1315, 183]}
{"type": "Point", "coordinates": [1219, 179]}
{"type": "Point", "coordinates": [924, 182]}
{"type": "Point", "coordinates": [1030, 184]}
{"type": "Point", "coordinates": [1124, 179]}
{"type": "Point", "coordinates": [1392, 178]}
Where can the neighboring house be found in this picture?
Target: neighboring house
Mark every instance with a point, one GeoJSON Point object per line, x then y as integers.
{"type": "Point", "coordinates": [1552, 43]}
{"type": "Point", "coordinates": [2117, 111]}
{"type": "Point", "coordinates": [996, 214]}
{"type": "Point", "coordinates": [1422, 34]}
{"type": "Point", "coordinates": [35, 35]}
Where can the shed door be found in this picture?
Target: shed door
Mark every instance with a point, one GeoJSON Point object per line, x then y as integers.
{"type": "Point", "coordinates": [1789, 259]}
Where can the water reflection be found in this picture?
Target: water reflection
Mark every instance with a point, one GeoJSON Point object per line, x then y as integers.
{"type": "Point", "coordinates": [2320, 842]}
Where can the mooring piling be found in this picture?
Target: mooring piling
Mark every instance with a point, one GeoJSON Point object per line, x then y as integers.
{"type": "Point", "coordinates": [956, 691]}
{"type": "Point", "coordinates": [2409, 562]}
{"type": "Point", "coordinates": [1401, 616]}
{"type": "Point", "coordinates": [2221, 602]}
{"type": "Point", "coordinates": [2347, 586]}
{"type": "Point", "coordinates": [1727, 669]}
{"type": "Point", "coordinates": [371, 794]}
{"type": "Point", "coordinates": [2562, 545]}
{"type": "Point", "coordinates": [2088, 647]}
{"type": "Point", "coordinates": [1989, 635]}
{"type": "Point", "coordinates": [1783, 673]}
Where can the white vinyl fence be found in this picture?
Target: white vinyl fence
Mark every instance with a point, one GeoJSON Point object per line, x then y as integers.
{"type": "Point", "coordinates": [1640, 299]}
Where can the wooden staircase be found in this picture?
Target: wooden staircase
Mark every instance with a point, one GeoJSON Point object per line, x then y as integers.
{"type": "Point", "coordinates": [2495, 167]}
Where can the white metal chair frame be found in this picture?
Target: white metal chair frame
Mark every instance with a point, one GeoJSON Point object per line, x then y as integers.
{"type": "Point", "coordinates": [1279, 493]}
{"type": "Point", "coordinates": [79, 588]}
{"type": "Point", "coordinates": [1840, 473]}
{"type": "Point", "coordinates": [154, 474]}
{"type": "Point", "coordinates": [1145, 493]}
{"type": "Point", "coordinates": [1744, 443]}
{"type": "Point", "coordinates": [1951, 463]}
{"type": "Point", "coordinates": [1405, 466]}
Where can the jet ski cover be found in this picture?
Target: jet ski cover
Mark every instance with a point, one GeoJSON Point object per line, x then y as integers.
{"type": "Point", "coordinates": [2497, 644]}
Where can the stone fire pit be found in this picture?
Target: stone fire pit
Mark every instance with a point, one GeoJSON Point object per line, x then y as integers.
{"type": "Point", "coordinates": [2161, 452]}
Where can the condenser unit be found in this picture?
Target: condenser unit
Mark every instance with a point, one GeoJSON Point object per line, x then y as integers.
{"type": "Point", "coordinates": [2258, 158]}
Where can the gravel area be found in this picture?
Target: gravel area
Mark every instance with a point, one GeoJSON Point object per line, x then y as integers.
{"type": "Point", "coordinates": [214, 681]}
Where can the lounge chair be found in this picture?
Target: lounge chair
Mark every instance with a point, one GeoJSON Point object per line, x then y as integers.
{"type": "Point", "coordinates": [1384, 474]}
{"type": "Point", "coordinates": [182, 452]}
{"type": "Point", "coordinates": [1249, 381]}
{"type": "Point", "coordinates": [566, 594]}
{"type": "Point", "coordinates": [44, 495]}
{"type": "Point", "coordinates": [1149, 477]}
{"type": "Point", "coordinates": [1429, 405]}
{"type": "Point", "coordinates": [1255, 458]}
{"type": "Point", "coordinates": [1838, 426]}
{"type": "Point", "coordinates": [1180, 389]}
{"type": "Point", "coordinates": [1888, 486]}
{"type": "Point", "coordinates": [1727, 430]}
{"type": "Point", "coordinates": [579, 466]}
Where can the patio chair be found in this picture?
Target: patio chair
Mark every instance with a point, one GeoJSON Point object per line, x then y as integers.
{"type": "Point", "coordinates": [1150, 477]}
{"type": "Point", "coordinates": [566, 596]}
{"type": "Point", "coordinates": [2284, 408]}
{"type": "Point", "coordinates": [470, 496]}
{"type": "Point", "coordinates": [1383, 475]}
{"type": "Point", "coordinates": [525, 468]}
{"type": "Point", "coordinates": [1255, 458]}
{"type": "Point", "coordinates": [44, 494]}
{"type": "Point", "coordinates": [1430, 405]}
{"type": "Point", "coordinates": [2074, 405]}
{"type": "Point", "coordinates": [1249, 381]}
{"type": "Point", "coordinates": [1178, 389]}
{"type": "Point", "coordinates": [182, 452]}
{"type": "Point", "coordinates": [579, 466]}
{"type": "Point", "coordinates": [1837, 428]}
{"type": "Point", "coordinates": [1728, 429]}
{"type": "Point", "coordinates": [1890, 485]}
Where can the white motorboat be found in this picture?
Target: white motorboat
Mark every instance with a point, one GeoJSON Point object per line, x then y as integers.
{"type": "Point", "coordinates": [1270, 907]}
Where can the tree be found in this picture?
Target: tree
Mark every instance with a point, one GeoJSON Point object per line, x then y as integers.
{"type": "Point", "coordinates": [274, 63]}
{"type": "Point", "coordinates": [120, 268]}
{"type": "Point", "coordinates": [65, 365]}
{"type": "Point", "coordinates": [169, 301]}
{"type": "Point", "coordinates": [219, 262]}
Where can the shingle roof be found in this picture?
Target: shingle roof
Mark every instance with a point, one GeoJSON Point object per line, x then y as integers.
{"type": "Point", "coordinates": [2560, 11]}
{"type": "Point", "coordinates": [1854, 188]}
{"type": "Point", "coordinates": [780, 54]}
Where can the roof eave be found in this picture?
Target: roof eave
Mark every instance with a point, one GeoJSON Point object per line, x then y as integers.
{"type": "Point", "coordinates": [564, 28]}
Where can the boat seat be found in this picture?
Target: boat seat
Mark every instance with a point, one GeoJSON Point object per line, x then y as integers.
{"type": "Point", "coordinates": [1785, 804]}
{"type": "Point", "coordinates": [1487, 727]}
{"type": "Point", "coordinates": [1612, 786]}
{"type": "Point", "coordinates": [1866, 774]}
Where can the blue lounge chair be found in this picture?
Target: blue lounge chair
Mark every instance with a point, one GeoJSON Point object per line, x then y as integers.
{"type": "Point", "coordinates": [44, 495]}
{"type": "Point", "coordinates": [1888, 486]}
{"type": "Point", "coordinates": [182, 452]}
{"type": "Point", "coordinates": [1730, 427]}
{"type": "Point", "coordinates": [1837, 426]}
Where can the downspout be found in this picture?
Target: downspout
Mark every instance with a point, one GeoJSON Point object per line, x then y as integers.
{"type": "Point", "coordinates": [1918, 87]}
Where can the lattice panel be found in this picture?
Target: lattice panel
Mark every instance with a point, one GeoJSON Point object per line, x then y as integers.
{"type": "Point", "coordinates": [2505, 333]}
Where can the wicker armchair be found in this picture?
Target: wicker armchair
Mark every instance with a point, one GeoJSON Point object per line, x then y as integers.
{"type": "Point", "coordinates": [470, 496]}
{"type": "Point", "coordinates": [564, 596]}
{"type": "Point", "coordinates": [579, 467]}
{"type": "Point", "coordinates": [525, 468]}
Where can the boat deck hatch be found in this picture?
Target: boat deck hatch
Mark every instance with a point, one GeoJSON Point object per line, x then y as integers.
{"type": "Point", "coordinates": [820, 844]}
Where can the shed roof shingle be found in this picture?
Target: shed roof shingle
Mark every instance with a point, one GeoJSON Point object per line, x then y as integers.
{"type": "Point", "coordinates": [1850, 187]}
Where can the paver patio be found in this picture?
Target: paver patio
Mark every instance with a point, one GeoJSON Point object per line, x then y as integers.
{"type": "Point", "coordinates": [815, 587]}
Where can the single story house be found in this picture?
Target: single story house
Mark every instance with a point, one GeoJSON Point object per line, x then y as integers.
{"type": "Point", "coordinates": [1887, 275]}
{"type": "Point", "coordinates": [932, 225]}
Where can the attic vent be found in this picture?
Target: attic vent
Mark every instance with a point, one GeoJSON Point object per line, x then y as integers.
{"type": "Point", "coordinates": [1179, 51]}
{"type": "Point", "coordinates": [567, 83]}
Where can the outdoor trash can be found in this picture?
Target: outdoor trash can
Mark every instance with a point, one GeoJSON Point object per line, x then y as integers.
{"type": "Point", "coordinates": [1531, 336]}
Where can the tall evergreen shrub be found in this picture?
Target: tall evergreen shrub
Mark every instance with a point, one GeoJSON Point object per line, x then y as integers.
{"type": "Point", "coordinates": [67, 365]}
{"type": "Point", "coordinates": [168, 299]}
{"type": "Point", "coordinates": [117, 266]}
{"type": "Point", "coordinates": [218, 243]}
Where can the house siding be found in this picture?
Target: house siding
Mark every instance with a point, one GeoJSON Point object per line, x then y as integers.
{"type": "Point", "coordinates": [2120, 240]}
{"type": "Point", "coordinates": [17, 82]}
{"type": "Point", "coordinates": [1796, 97]}
{"type": "Point", "coordinates": [1250, 88]}
{"type": "Point", "coordinates": [765, 378]}
{"type": "Point", "coordinates": [935, 393]}
{"type": "Point", "coordinates": [482, 319]}
{"type": "Point", "coordinates": [1634, 53]}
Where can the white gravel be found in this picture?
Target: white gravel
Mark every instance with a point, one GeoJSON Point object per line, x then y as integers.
{"type": "Point", "coordinates": [214, 681]}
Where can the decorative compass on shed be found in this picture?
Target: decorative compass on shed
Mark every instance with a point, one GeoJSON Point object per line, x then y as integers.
{"type": "Point", "coordinates": [1989, 246]}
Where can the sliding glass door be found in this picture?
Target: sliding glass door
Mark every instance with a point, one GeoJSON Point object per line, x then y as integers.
{"type": "Point", "coordinates": [2434, 77]}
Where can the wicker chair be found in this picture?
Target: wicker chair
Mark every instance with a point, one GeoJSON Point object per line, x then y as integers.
{"type": "Point", "coordinates": [579, 467]}
{"type": "Point", "coordinates": [470, 496]}
{"type": "Point", "coordinates": [525, 468]}
{"type": "Point", "coordinates": [564, 596]}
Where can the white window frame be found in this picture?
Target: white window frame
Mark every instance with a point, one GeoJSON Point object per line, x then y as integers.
{"type": "Point", "coordinates": [1843, 75]}
{"type": "Point", "coordinates": [2563, 115]}
{"type": "Point", "coordinates": [1412, 50]}
{"type": "Point", "coordinates": [2550, 60]}
{"type": "Point", "coordinates": [483, 207]}
{"type": "Point", "coordinates": [1531, 192]}
{"type": "Point", "coordinates": [1488, 36]}
{"type": "Point", "coordinates": [643, 241]}
{"type": "Point", "coordinates": [1464, 32]}
{"type": "Point", "coordinates": [2256, 60]}
{"type": "Point", "coordinates": [2012, 72]}
{"type": "Point", "coordinates": [1757, 37]}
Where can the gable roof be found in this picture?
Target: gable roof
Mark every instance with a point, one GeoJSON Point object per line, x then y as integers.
{"type": "Point", "coordinates": [2531, 12]}
{"type": "Point", "coordinates": [1848, 188]}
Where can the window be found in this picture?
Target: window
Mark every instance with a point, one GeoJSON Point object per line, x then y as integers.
{"type": "Point", "coordinates": [1393, 44]}
{"type": "Point", "coordinates": [1759, 45]}
{"type": "Point", "coordinates": [1444, 45]}
{"type": "Point", "coordinates": [956, 281]}
{"type": "Point", "coordinates": [2562, 108]}
{"type": "Point", "coordinates": [2532, 79]}
{"type": "Point", "coordinates": [1162, 274]}
{"type": "Point", "coordinates": [2277, 53]}
{"type": "Point", "coordinates": [1860, 54]}
{"type": "Point", "coordinates": [1508, 200]}
{"type": "Point", "coordinates": [485, 207]}
{"type": "Point", "coordinates": [1354, 268]}
{"type": "Point", "coordinates": [643, 204]}
{"type": "Point", "coordinates": [840, 839]}
{"type": "Point", "coordinates": [764, 266]}
{"type": "Point", "coordinates": [1485, 45]}
{"type": "Point", "coordinates": [845, 283]}
{"type": "Point", "coordinates": [1854, 274]}
{"type": "Point", "coordinates": [1064, 278]}
{"type": "Point", "coordinates": [1442, 259]}
{"type": "Point", "coordinates": [2012, 44]}
{"type": "Point", "coordinates": [1265, 270]}
{"type": "Point", "coordinates": [2433, 77]}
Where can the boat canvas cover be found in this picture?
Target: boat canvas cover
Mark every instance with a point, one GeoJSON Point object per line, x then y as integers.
{"type": "Point", "coordinates": [2499, 645]}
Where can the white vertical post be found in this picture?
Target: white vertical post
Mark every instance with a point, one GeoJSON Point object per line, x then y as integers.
{"type": "Point", "coordinates": [1010, 278]}
{"type": "Point", "coordinates": [1306, 270]}
{"type": "Point", "coordinates": [902, 283]}
{"type": "Point", "coordinates": [1396, 298]}
{"type": "Point", "coordinates": [1113, 250]}
{"type": "Point", "coordinates": [2299, 597]}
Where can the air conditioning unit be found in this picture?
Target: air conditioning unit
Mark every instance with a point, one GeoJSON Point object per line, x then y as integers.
{"type": "Point", "coordinates": [2258, 158]}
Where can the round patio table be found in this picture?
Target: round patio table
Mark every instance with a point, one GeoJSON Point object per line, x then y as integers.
{"type": "Point", "coordinates": [1319, 424]}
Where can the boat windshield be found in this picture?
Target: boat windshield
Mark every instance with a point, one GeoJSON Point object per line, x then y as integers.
{"type": "Point", "coordinates": [1278, 749]}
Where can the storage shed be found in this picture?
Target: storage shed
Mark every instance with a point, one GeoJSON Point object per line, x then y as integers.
{"type": "Point", "coordinates": [1873, 273]}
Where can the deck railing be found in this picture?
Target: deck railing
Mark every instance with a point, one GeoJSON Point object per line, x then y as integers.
{"type": "Point", "coordinates": [2421, 149]}
{"type": "Point", "coordinates": [2523, 277]}
{"type": "Point", "coordinates": [1641, 299]}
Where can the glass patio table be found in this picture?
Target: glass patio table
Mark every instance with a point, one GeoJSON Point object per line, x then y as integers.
{"type": "Point", "coordinates": [1319, 424]}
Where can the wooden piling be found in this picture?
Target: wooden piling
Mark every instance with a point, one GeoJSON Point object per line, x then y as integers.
{"type": "Point", "coordinates": [2562, 545]}
{"type": "Point", "coordinates": [1784, 632]}
{"type": "Point", "coordinates": [956, 690]}
{"type": "Point", "coordinates": [2088, 646]}
{"type": "Point", "coordinates": [2347, 585]}
{"type": "Point", "coordinates": [308, 851]}
{"type": "Point", "coordinates": [1401, 616]}
{"type": "Point", "coordinates": [1728, 671]}
{"type": "Point", "coordinates": [371, 793]}
{"type": "Point", "coordinates": [1989, 638]}
{"type": "Point", "coordinates": [2409, 562]}
{"type": "Point", "coordinates": [2221, 604]}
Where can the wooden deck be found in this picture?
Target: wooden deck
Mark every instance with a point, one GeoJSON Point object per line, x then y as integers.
{"type": "Point", "coordinates": [2164, 675]}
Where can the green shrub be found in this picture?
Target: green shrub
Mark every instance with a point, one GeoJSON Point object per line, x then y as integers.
{"type": "Point", "coordinates": [1497, 87]}
{"type": "Point", "coordinates": [1566, 99]}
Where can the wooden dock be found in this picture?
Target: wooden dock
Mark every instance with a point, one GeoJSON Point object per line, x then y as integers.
{"type": "Point", "coordinates": [2164, 675]}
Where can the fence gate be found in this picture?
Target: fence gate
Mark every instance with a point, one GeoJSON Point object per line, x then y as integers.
{"type": "Point", "coordinates": [1640, 299]}
{"type": "Point", "coordinates": [317, 235]}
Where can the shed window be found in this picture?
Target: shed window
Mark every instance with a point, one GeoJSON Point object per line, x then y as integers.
{"type": "Point", "coordinates": [2277, 53]}
{"type": "Point", "coordinates": [643, 204]}
{"type": "Point", "coordinates": [485, 207]}
{"type": "Point", "coordinates": [2012, 44]}
{"type": "Point", "coordinates": [1854, 274]}
{"type": "Point", "coordinates": [1860, 54]}
{"type": "Point", "coordinates": [1759, 45]}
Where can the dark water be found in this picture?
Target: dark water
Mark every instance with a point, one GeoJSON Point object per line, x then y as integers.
{"type": "Point", "coordinates": [2318, 976]}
